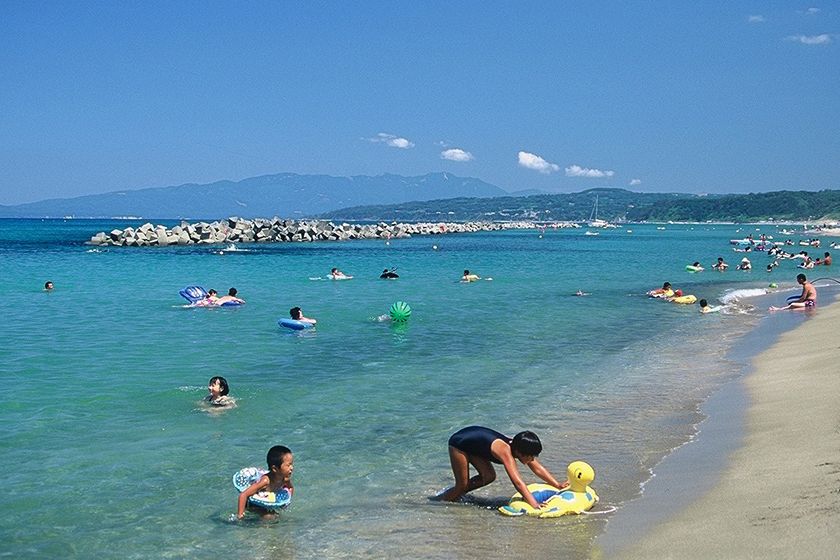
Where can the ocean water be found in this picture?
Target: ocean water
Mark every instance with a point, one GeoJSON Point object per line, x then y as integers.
{"type": "Point", "coordinates": [107, 450]}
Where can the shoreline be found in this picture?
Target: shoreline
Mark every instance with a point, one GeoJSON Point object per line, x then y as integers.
{"type": "Point", "coordinates": [768, 489]}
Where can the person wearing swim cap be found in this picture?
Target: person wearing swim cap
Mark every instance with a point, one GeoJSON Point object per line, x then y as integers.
{"type": "Point", "coordinates": [481, 447]}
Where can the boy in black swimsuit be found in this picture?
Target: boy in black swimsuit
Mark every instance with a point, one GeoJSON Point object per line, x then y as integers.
{"type": "Point", "coordinates": [480, 447]}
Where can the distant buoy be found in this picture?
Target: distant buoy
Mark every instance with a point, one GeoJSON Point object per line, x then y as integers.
{"type": "Point", "coordinates": [399, 311]}
{"type": "Point", "coordinates": [434, 248]}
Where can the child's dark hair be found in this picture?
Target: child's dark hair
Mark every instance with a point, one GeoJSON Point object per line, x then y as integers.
{"type": "Point", "coordinates": [232, 292]}
{"type": "Point", "coordinates": [222, 383]}
{"type": "Point", "coordinates": [800, 277]}
{"type": "Point", "coordinates": [703, 303]}
{"type": "Point", "coordinates": [276, 454]}
{"type": "Point", "coordinates": [295, 312]}
{"type": "Point", "coordinates": [526, 443]}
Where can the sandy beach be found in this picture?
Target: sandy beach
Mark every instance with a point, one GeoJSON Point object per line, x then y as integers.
{"type": "Point", "coordinates": [779, 496]}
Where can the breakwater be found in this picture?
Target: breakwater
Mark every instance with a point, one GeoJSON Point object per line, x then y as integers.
{"type": "Point", "coordinates": [277, 230]}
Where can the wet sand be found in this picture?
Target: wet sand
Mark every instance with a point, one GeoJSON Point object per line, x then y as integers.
{"type": "Point", "coordinates": [779, 494]}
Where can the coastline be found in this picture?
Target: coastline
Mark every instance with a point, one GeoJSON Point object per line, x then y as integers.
{"type": "Point", "coordinates": [776, 493]}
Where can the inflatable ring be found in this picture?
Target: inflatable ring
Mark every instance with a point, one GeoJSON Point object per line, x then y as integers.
{"type": "Point", "coordinates": [294, 324]}
{"type": "Point", "coordinates": [577, 498]}
{"type": "Point", "coordinates": [688, 299]}
{"type": "Point", "coordinates": [244, 478]}
{"type": "Point", "coordinates": [692, 268]}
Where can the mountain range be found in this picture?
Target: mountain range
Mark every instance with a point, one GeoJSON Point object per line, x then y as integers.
{"type": "Point", "coordinates": [288, 195]}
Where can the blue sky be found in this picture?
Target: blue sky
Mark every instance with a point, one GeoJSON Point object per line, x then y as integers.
{"type": "Point", "coordinates": [651, 96]}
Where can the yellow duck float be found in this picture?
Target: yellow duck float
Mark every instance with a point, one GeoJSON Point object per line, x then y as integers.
{"type": "Point", "coordinates": [576, 498]}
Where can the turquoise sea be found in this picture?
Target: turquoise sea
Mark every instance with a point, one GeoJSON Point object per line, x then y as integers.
{"type": "Point", "coordinates": [108, 452]}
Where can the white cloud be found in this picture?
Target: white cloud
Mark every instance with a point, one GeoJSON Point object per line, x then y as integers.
{"type": "Point", "coordinates": [578, 171]}
{"type": "Point", "coordinates": [393, 141]}
{"type": "Point", "coordinates": [634, 182]}
{"type": "Point", "coordinates": [456, 154]}
{"type": "Point", "coordinates": [535, 162]}
{"type": "Point", "coordinates": [812, 11]}
{"type": "Point", "coordinates": [756, 19]}
{"type": "Point", "coordinates": [823, 39]}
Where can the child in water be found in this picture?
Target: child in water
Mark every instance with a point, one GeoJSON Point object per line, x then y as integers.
{"type": "Point", "coordinates": [279, 477]}
{"type": "Point", "coordinates": [481, 447]}
{"type": "Point", "coordinates": [704, 306]}
{"type": "Point", "coordinates": [218, 388]}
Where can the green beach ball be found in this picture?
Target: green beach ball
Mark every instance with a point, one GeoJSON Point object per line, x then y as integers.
{"type": "Point", "coordinates": [399, 311]}
{"type": "Point", "coordinates": [774, 285]}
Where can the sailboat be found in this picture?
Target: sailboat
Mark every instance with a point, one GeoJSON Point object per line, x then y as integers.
{"type": "Point", "coordinates": [594, 221]}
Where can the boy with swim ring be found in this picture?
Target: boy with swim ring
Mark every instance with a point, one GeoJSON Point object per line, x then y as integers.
{"type": "Point", "coordinates": [278, 479]}
{"type": "Point", "coordinates": [481, 447]}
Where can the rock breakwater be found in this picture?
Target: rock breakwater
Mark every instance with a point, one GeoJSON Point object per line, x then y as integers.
{"type": "Point", "coordinates": [276, 230]}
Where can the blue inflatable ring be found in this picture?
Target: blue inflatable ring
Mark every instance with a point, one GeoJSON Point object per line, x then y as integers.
{"type": "Point", "coordinates": [295, 324]}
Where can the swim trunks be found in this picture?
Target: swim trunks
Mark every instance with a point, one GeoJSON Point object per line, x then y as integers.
{"type": "Point", "coordinates": [476, 441]}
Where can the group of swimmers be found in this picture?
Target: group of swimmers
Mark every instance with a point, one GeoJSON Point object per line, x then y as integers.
{"type": "Point", "coordinates": [387, 274]}
{"type": "Point", "coordinates": [807, 298]}
{"type": "Point", "coordinates": [391, 274]}
{"type": "Point", "coordinates": [212, 299]}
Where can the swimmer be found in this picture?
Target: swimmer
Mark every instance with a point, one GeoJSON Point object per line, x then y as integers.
{"type": "Point", "coordinates": [704, 306]}
{"type": "Point", "coordinates": [210, 300]}
{"type": "Point", "coordinates": [468, 277]}
{"type": "Point", "coordinates": [389, 274]}
{"type": "Point", "coordinates": [297, 315]}
{"type": "Point", "coordinates": [807, 299]}
{"type": "Point", "coordinates": [230, 298]}
{"type": "Point", "coordinates": [336, 274]}
{"type": "Point", "coordinates": [664, 292]}
{"type": "Point", "coordinates": [581, 293]}
{"type": "Point", "coordinates": [48, 286]}
{"type": "Point", "coordinates": [281, 464]}
{"type": "Point", "coordinates": [481, 447]}
{"type": "Point", "coordinates": [697, 266]}
{"type": "Point", "coordinates": [218, 389]}
{"type": "Point", "coordinates": [720, 265]}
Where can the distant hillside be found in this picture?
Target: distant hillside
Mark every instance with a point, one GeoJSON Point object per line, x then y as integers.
{"type": "Point", "coordinates": [754, 207]}
{"type": "Point", "coordinates": [287, 195]}
{"type": "Point", "coordinates": [614, 205]}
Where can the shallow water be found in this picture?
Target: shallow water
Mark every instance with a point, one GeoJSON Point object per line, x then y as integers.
{"type": "Point", "coordinates": [106, 445]}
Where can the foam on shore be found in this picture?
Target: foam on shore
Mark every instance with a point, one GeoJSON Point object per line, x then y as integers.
{"type": "Point", "coordinates": [776, 496]}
